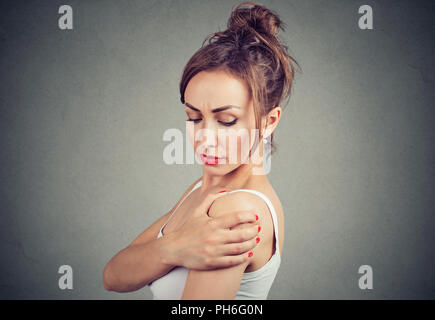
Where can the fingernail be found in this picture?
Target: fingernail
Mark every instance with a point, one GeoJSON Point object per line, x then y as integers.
{"type": "Point", "coordinates": [259, 228]}
{"type": "Point", "coordinates": [250, 254]}
{"type": "Point", "coordinates": [258, 239]}
{"type": "Point", "coordinates": [222, 191]}
{"type": "Point", "coordinates": [256, 217]}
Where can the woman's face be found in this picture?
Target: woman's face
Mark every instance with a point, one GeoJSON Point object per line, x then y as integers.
{"type": "Point", "coordinates": [220, 120]}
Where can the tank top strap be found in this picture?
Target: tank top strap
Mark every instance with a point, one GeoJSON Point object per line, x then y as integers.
{"type": "Point", "coordinates": [196, 186]}
{"type": "Point", "coordinates": [271, 209]}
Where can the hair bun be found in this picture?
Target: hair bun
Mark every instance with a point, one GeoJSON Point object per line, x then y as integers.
{"type": "Point", "coordinates": [249, 15]}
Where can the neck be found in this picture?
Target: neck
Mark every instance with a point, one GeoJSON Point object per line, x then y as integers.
{"type": "Point", "coordinates": [233, 180]}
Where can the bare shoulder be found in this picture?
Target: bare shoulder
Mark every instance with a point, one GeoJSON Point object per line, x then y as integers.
{"type": "Point", "coordinates": [152, 231]}
{"type": "Point", "coordinates": [241, 201]}
{"type": "Point", "coordinates": [238, 201]}
{"type": "Point", "coordinates": [184, 194]}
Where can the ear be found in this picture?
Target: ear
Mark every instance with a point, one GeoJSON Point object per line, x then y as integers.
{"type": "Point", "coordinates": [271, 121]}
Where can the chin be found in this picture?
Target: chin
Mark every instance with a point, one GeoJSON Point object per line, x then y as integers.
{"type": "Point", "coordinates": [219, 169]}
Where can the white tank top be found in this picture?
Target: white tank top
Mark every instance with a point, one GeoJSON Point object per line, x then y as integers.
{"type": "Point", "coordinates": [254, 285]}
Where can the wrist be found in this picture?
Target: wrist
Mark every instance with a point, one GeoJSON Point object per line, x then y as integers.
{"type": "Point", "coordinates": [168, 254]}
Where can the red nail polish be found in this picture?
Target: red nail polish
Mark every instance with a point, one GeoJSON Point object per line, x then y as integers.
{"type": "Point", "coordinates": [258, 239]}
{"type": "Point", "coordinates": [259, 228]}
{"type": "Point", "coordinates": [250, 254]}
{"type": "Point", "coordinates": [256, 217]}
{"type": "Point", "coordinates": [222, 191]}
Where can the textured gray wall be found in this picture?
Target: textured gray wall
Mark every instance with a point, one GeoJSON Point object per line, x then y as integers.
{"type": "Point", "coordinates": [82, 114]}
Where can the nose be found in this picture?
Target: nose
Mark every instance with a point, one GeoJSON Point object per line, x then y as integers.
{"type": "Point", "coordinates": [208, 137]}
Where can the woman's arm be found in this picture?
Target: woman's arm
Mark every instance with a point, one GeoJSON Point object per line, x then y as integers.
{"type": "Point", "coordinates": [223, 284]}
{"type": "Point", "coordinates": [219, 284]}
{"type": "Point", "coordinates": [148, 258]}
{"type": "Point", "coordinates": [138, 264]}
{"type": "Point", "coordinates": [143, 261]}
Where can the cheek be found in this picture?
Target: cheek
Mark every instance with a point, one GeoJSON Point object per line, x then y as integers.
{"type": "Point", "coordinates": [237, 145]}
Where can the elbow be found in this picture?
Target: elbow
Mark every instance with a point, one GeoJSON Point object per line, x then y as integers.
{"type": "Point", "coordinates": [106, 286]}
{"type": "Point", "coordinates": [110, 282]}
{"type": "Point", "coordinates": [106, 278]}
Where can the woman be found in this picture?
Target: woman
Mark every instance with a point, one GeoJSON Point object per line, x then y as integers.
{"type": "Point", "coordinates": [224, 237]}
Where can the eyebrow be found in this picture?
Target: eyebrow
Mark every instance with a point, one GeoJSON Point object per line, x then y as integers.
{"type": "Point", "coordinates": [214, 110]}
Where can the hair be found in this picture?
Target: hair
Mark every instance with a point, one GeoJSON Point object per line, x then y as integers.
{"type": "Point", "coordinates": [250, 50]}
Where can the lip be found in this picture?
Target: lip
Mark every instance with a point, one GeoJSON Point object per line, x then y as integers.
{"type": "Point", "coordinates": [210, 160]}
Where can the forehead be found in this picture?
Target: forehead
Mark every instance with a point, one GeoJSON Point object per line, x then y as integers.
{"type": "Point", "coordinates": [210, 89]}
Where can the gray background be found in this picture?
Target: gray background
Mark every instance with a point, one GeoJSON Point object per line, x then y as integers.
{"type": "Point", "coordinates": [82, 115]}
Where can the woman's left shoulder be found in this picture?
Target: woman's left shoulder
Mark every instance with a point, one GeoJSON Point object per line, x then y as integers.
{"type": "Point", "coordinates": [238, 201]}
{"type": "Point", "coordinates": [244, 201]}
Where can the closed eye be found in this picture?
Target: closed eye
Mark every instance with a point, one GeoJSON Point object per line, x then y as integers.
{"type": "Point", "coordinates": [194, 120]}
{"type": "Point", "coordinates": [221, 122]}
{"type": "Point", "coordinates": [228, 123]}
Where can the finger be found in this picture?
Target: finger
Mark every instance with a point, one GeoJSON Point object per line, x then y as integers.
{"type": "Point", "coordinates": [240, 235]}
{"type": "Point", "coordinates": [238, 247]}
{"type": "Point", "coordinates": [245, 225]}
{"type": "Point", "coordinates": [230, 261]}
{"type": "Point", "coordinates": [234, 218]}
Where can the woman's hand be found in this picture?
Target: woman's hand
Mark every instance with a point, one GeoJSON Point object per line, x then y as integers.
{"type": "Point", "coordinates": [205, 243]}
